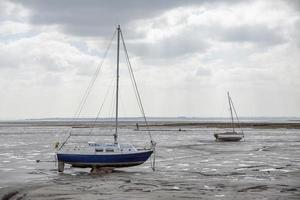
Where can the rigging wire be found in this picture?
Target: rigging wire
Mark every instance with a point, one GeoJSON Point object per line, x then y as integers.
{"type": "Point", "coordinates": [137, 94]}
{"type": "Point", "coordinates": [230, 109]}
{"type": "Point", "coordinates": [88, 90]}
{"type": "Point", "coordinates": [112, 104]}
{"type": "Point", "coordinates": [123, 104]}
{"type": "Point", "coordinates": [138, 97]}
{"type": "Point", "coordinates": [94, 78]}
{"type": "Point", "coordinates": [236, 116]}
{"type": "Point", "coordinates": [104, 100]}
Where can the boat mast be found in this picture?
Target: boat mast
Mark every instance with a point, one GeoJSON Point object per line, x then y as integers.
{"type": "Point", "coordinates": [117, 89]}
{"type": "Point", "coordinates": [229, 101]}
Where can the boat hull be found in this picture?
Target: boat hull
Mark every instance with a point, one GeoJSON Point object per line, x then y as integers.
{"type": "Point", "coordinates": [228, 137]}
{"type": "Point", "coordinates": [116, 160]}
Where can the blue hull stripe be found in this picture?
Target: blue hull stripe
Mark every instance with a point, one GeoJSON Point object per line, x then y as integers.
{"type": "Point", "coordinates": [138, 157]}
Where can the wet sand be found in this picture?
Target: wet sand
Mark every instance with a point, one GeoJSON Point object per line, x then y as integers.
{"type": "Point", "coordinates": [189, 165]}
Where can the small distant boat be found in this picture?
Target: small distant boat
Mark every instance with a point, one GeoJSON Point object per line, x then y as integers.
{"type": "Point", "coordinates": [107, 155]}
{"type": "Point", "coordinates": [231, 136]}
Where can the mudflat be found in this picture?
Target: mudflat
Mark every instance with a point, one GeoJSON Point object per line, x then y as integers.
{"type": "Point", "coordinates": [189, 163]}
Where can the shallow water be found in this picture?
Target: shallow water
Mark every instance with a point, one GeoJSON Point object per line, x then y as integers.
{"type": "Point", "coordinates": [189, 165]}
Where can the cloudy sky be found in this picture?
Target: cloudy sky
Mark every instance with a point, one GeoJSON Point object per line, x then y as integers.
{"type": "Point", "coordinates": [185, 54]}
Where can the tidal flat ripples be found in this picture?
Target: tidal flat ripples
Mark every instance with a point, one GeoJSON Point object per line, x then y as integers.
{"type": "Point", "coordinates": [189, 165]}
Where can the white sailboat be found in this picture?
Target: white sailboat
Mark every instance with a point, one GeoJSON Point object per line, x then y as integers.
{"type": "Point", "coordinates": [234, 135]}
{"type": "Point", "coordinates": [107, 155]}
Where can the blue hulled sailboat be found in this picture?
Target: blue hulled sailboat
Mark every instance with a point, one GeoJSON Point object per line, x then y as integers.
{"type": "Point", "coordinates": [107, 155]}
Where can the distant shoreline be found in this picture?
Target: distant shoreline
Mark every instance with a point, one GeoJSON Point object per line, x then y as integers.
{"type": "Point", "coordinates": [152, 124]}
{"type": "Point", "coordinates": [257, 125]}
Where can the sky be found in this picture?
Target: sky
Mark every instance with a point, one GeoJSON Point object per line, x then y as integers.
{"type": "Point", "coordinates": [185, 56]}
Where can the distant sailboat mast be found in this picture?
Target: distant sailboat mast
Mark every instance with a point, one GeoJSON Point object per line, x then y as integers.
{"type": "Point", "coordinates": [229, 101]}
{"type": "Point", "coordinates": [231, 136]}
{"type": "Point", "coordinates": [117, 88]}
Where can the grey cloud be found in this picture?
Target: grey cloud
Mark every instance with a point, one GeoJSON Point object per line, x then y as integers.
{"type": "Point", "coordinates": [196, 40]}
{"type": "Point", "coordinates": [295, 4]}
{"type": "Point", "coordinates": [94, 17]}
{"type": "Point", "coordinates": [295, 36]}
{"type": "Point", "coordinates": [259, 34]}
{"type": "Point", "coordinates": [99, 17]}
{"type": "Point", "coordinates": [203, 71]}
{"type": "Point", "coordinates": [170, 50]}
{"type": "Point", "coordinates": [175, 46]}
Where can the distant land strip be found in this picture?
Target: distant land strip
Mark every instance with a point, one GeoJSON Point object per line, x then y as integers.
{"type": "Point", "coordinates": [153, 125]}
{"type": "Point", "coordinates": [257, 125]}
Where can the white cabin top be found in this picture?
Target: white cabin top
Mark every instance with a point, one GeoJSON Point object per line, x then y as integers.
{"type": "Point", "coordinates": [98, 148]}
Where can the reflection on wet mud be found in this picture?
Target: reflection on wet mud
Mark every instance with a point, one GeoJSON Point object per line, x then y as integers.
{"type": "Point", "coordinates": [190, 165]}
